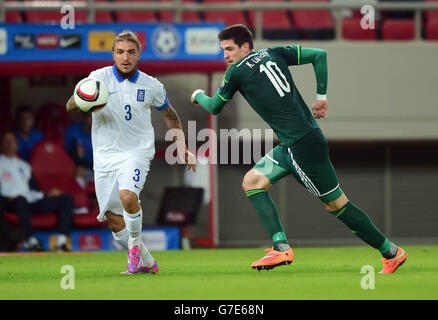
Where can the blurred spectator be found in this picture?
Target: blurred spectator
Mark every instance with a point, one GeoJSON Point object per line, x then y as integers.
{"type": "Point", "coordinates": [27, 135]}
{"type": "Point", "coordinates": [6, 120]}
{"type": "Point", "coordinates": [19, 193]}
{"type": "Point", "coordinates": [77, 143]}
{"type": "Point", "coordinates": [9, 237]}
{"type": "Point", "coordinates": [51, 120]}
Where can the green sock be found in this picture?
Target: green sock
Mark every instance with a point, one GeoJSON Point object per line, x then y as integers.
{"type": "Point", "coordinates": [362, 226]}
{"type": "Point", "coordinates": [268, 214]}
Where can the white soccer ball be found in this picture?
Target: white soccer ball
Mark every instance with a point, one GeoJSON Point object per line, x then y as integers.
{"type": "Point", "coordinates": [90, 94]}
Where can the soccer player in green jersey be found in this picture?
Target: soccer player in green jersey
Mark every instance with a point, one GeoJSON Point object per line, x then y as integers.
{"type": "Point", "coordinates": [264, 80]}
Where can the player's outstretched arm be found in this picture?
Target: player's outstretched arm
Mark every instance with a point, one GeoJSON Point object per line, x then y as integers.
{"type": "Point", "coordinates": [173, 122]}
{"type": "Point", "coordinates": [214, 105]}
{"type": "Point", "coordinates": [71, 105]}
{"type": "Point", "coordinates": [318, 58]}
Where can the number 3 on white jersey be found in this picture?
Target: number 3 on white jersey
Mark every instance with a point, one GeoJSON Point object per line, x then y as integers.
{"type": "Point", "coordinates": [280, 84]}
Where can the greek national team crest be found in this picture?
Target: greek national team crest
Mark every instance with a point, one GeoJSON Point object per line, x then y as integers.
{"type": "Point", "coordinates": [166, 41]}
{"type": "Point", "coordinates": [140, 95]}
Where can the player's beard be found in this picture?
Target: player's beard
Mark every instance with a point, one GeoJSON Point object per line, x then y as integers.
{"type": "Point", "coordinates": [126, 75]}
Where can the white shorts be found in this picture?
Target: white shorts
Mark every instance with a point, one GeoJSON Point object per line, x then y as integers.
{"type": "Point", "coordinates": [130, 176]}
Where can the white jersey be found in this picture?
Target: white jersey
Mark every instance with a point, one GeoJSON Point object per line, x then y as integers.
{"type": "Point", "coordinates": [123, 128]}
{"type": "Point", "coordinates": [15, 175]}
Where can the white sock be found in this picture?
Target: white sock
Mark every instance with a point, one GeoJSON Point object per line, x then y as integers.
{"type": "Point", "coordinates": [146, 256]}
{"type": "Point", "coordinates": [134, 223]}
{"type": "Point", "coordinates": [122, 238]}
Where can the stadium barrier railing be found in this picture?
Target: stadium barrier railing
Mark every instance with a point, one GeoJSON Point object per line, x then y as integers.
{"type": "Point", "coordinates": [178, 7]}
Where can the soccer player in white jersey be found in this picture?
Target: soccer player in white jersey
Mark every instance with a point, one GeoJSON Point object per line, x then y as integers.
{"type": "Point", "coordinates": [123, 146]}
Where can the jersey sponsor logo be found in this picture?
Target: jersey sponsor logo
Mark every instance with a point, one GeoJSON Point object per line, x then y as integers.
{"type": "Point", "coordinates": [166, 41]}
{"type": "Point", "coordinates": [140, 95]}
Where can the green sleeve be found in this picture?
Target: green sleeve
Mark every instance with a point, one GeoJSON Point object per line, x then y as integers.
{"type": "Point", "coordinates": [318, 58]}
{"type": "Point", "coordinates": [214, 105]}
{"type": "Point", "coordinates": [297, 55]}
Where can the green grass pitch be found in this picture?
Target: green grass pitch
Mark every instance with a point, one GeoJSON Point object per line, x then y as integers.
{"type": "Point", "coordinates": [222, 274]}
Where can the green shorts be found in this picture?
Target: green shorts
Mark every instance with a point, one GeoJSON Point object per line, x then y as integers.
{"type": "Point", "coordinates": [308, 161]}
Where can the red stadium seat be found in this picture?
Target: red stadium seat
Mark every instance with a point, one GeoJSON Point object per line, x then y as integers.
{"type": "Point", "coordinates": [313, 23]}
{"type": "Point", "coordinates": [51, 120]}
{"type": "Point", "coordinates": [431, 15]}
{"type": "Point", "coordinates": [45, 16]}
{"type": "Point", "coordinates": [274, 21]}
{"type": "Point", "coordinates": [101, 16]}
{"type": "Point", "coordinates": [398, 29]}
{"type": "Point", "coordinates": [352, 30]}
{"type": "Point", "coordinates": [87, 220]}
{"type": "Point", "coordinates": [13, 17]}
{"type": "Point", "coordinates": [432, 30]}
{"type": "Point", "coordinates": [38, 221]}
{"type": "Point", "coordinates": [53, 168]}
{"type": "Point", "coordinates": [187, 16]}
{"type": "Point", "coordinates": [226, 17]}
{"type": "Point", "coordinates": [135, 15]}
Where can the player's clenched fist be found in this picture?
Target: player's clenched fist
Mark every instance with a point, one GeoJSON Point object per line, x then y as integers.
{"type": "Point", "coordinates": [192, 98]}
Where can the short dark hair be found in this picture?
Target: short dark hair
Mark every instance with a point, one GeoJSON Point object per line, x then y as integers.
{"type": "Point", "coordinates": [23, 109]}
{"type": "Point", "coordinates": [6, 131]}
{"type": "Point", "coordinates": [239, 33]}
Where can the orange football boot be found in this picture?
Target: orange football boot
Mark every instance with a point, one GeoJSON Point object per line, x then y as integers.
{"type": "Point", "coordinates": [274, 259]}
{"type": "Point", "coordinates": [390, 265]}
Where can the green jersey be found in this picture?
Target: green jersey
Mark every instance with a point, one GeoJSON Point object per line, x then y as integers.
{"type": "Point", "coordinates": [264, 80]}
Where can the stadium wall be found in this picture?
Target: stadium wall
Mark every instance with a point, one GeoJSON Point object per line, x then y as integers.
{"type": "Point", "coordinates": [376, 91]}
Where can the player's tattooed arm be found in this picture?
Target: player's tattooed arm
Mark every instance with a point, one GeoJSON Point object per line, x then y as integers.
{"type": "Point", "coordinates": [171, 118]}
{"type": "Point", "coordinates": [71, 105]}
{"type": "Point", "coordinates": [174, 124]}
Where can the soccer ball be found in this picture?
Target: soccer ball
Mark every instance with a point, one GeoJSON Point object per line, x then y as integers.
{"type": "Point", "coordinates": [90, 95]}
